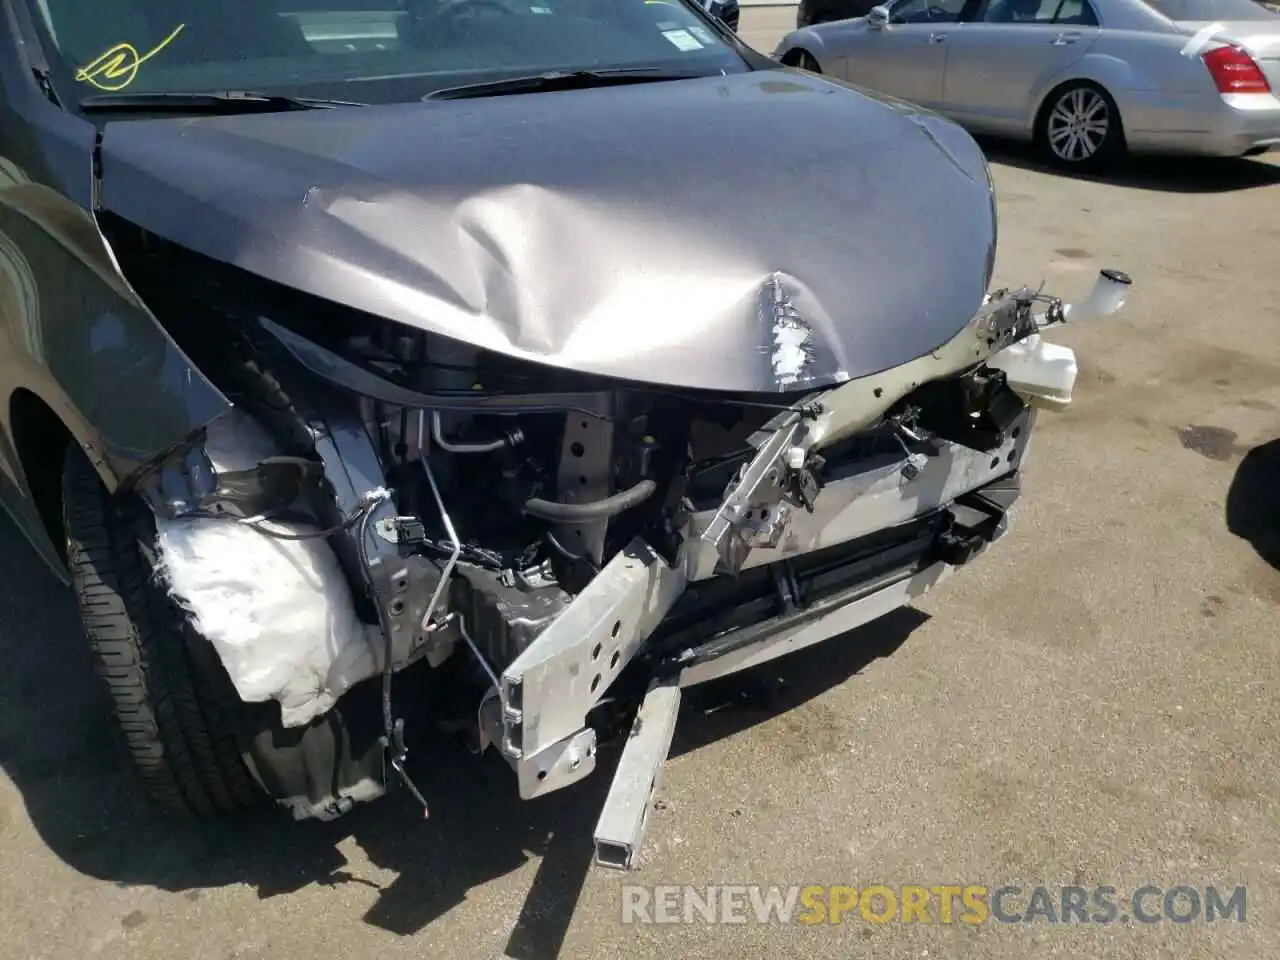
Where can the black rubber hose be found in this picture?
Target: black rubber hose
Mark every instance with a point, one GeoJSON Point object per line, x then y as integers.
{"type": "Point", "coordinates": [596, 510]}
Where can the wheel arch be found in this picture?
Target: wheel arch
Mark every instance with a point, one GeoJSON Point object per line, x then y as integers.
{"type": "Point", "coordinates": [40, 439]}
{"type": "Point", "coordinates": [793, 56]}
{"type": "Point", "coordinates": [1047, 99]}
{"type": "Point", "coordinates": [804, 40]}
{"type": "Point", "coordinates": [1112, 74]}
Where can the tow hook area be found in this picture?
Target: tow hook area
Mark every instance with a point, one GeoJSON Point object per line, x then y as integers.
{"type": "Point", "coordinates": [977, 519]}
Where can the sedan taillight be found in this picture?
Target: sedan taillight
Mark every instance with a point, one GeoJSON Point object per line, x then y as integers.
{"type": "Point", "coordinates": [1234, 71]}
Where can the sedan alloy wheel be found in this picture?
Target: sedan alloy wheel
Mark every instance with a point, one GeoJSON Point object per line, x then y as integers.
{"type": "Point", "coordinates": [1082, 127]}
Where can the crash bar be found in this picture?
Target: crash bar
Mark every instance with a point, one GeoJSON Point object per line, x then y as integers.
{"type": "Point", "coordinates": [620, 830]}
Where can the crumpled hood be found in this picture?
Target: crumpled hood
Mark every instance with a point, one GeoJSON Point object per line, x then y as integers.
{"type": "Point", "coordinates": [767, 231]}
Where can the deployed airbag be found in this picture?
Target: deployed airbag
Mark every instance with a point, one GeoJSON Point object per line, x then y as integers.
{"type": "Point", "coordinates": [279, 613]}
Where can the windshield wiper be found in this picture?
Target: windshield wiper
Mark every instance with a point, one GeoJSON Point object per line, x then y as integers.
{"type": "Point", "coordinates": [559, 80]}
{"type": "Point", "coordinates": [213, 101]}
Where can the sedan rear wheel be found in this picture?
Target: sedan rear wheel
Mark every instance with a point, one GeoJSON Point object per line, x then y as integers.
{"type": "Point", "coordinates": [1080, 127]}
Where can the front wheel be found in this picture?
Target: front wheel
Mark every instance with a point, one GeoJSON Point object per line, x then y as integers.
{"type": "Point", "coordinates": [171, 697]}
{"type": "Point", "coordinates": [804, 60]}
{"type": "Point", "coordinates": [1080, 127]}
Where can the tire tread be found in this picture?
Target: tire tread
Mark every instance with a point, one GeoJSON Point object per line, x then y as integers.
{"type": "Point", "coordinates": [163, 698]}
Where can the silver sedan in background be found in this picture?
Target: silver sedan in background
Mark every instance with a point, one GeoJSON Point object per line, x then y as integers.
{"type": "Point", "coordinates": [1085, 79]}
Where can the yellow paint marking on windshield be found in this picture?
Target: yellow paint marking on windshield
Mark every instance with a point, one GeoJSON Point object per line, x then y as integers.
{"type": "Point", "coordinates": [116, 68]}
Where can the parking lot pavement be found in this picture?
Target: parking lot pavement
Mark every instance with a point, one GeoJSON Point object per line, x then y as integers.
{"type": "Point", "coordinates": [1093, 703]}
{"type": "Point", "coordinates": [763, 27]}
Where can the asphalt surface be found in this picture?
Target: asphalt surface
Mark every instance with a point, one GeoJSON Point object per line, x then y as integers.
{"type": "Point", "coordinates": [1094, 703]}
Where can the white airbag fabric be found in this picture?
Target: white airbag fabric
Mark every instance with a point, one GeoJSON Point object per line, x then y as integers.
{"type": "Point", "coordinates": [279, 613]}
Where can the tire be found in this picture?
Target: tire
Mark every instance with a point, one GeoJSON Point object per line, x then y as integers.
{"type": "Point", "coordinates": [171, 698]}
{"type": "Point", "coordinates": [1079, 127]}
{"type": "Point", "coordinates": [804, 60]}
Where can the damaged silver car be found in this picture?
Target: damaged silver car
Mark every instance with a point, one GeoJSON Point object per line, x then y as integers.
{"type": "Point", "coordinates": [559, 350]}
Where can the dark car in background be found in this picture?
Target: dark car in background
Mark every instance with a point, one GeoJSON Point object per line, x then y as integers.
{"type": "Point", "coordinates": [724, 10]}
{"type": "Point", "coordinates": [811, 12]}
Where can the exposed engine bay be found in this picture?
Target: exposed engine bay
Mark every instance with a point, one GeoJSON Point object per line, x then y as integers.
{"type": "Point", "coordinates": [329, 409]}
{"type": "Point", "coordinates": [382, 496]}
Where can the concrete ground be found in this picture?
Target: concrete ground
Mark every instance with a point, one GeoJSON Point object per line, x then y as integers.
{"type": "Point", "coordinates": [762, 27]}
{"type": "Point", "coordinates": [1094, 703]}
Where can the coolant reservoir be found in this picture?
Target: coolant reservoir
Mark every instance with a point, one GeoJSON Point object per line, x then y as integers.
{"type": "Point", "coordinates": [1042, 373]}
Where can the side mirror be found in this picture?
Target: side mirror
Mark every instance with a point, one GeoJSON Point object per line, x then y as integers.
{"type": "Point", "coordinates": [878, 17]}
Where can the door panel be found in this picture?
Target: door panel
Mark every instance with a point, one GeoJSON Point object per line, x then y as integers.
{"type": "Point", "coordinates": [998, 62]}
{"type": "Point", "coordinates": [907, 57]}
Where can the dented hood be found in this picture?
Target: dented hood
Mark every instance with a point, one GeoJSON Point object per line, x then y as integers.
{"type": "Point", "coordinates": [767, 231]}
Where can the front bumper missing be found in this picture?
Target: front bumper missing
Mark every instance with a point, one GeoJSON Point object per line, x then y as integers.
{"type": "Point", "coordinates": [619, 832]}
{"type": "Point", "coordinates": [882, 581]}
{"type": "Point", "coordinates": [547, 692]}
{"type": "Point", "coordinates": [922, 514]}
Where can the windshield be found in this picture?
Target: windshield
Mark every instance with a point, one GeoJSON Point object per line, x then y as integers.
{"type": "Point", "coordinates": [1209, 10]}
{"type": "Point", "coordinates": [368, 50]}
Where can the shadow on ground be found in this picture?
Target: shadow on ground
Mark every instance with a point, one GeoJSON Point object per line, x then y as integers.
{"type": "Point", "coordinates": [1161, 174]}
{"type": "Point", "coordinates": [1253, 501]}
{"type": "Point", "coordinates": [61, 753]}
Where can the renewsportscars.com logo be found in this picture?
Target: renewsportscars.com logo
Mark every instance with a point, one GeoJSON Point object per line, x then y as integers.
{"type": "Point", "coordinates": [972, 904]}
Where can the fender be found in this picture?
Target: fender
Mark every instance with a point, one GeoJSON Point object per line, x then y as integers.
{"type": "Point", "coordinates": [803, 39]}
{"type": "Point", "coordinates": [78, 336]}
{"type": "Point", "coordinates": [1114, 75]}
{"type": "Point", "coordinates": [72, 331]}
